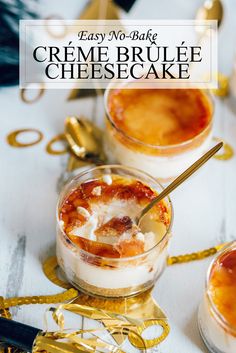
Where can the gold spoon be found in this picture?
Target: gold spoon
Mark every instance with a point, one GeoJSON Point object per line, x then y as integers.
{"type": "Point", "coordinates": [179, 180]}
{"type": "Point", "coordinates": [84, 139]}
{"type": "Point", "coordinates": [211, 10]}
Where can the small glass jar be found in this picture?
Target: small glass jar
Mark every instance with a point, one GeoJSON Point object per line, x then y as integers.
{"type": "Point", "coordinates": [160, 161]}
{"type": "Point", "coordinates": [216, 332]}
{"type": "Point", "coordinates": [104, 276]}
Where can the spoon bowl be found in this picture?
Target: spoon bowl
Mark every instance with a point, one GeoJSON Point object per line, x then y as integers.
{"type": "Point", "coordinates": [211, 10]}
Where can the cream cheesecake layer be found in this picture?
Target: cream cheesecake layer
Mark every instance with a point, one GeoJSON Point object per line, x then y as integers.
{"type": "Point", "coordinates": [114, 278]}
{"type": "Point", "coordinates": [157, 166]}
{"type": "Point", "coordinates": [219, 340]}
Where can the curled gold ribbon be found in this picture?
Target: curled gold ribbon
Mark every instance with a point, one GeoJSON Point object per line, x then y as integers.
{"type": "Point", "coordinates": [41, 299]}
{"type": "Point", "coordinates": [109, 312]}
{"type": "Point", "coordinates": [12, 138]}
{"type": "Point", "coordinates": [57, 342]}
{"type": "Point", "coordinates": [149, 343]}
{"type": "Point", "coordinates": [116, 323]}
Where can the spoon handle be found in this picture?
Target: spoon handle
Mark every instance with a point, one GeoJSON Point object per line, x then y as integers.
{"type": "Point", "coordinates": [180, 179]}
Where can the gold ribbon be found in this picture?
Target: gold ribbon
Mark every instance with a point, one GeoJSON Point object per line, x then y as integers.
{"type": "Point", "coordinates": [117, 324]}
{"type": "Point", "coordinates": [57, 342]}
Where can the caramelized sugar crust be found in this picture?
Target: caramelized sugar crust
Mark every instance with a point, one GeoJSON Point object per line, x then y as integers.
{"type": "Point", "coordinates": [223, 286]}
{"type": "Point", "coordinates": [122, 189]}
{"type": "Point", "coordinates": [160, 117]}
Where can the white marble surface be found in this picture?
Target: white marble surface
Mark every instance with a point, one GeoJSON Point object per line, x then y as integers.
{"type": "Point", "coordinates": [204, 207]}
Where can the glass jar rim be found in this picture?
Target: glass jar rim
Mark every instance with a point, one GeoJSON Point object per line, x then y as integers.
{"type": "Point", "coordinates": [156, 147]}
{"type": "Point", "coordinates": [125, 168]}
{"type": "Point", "coordinates": [227, 248]}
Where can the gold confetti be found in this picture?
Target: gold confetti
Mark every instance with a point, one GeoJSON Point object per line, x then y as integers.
{"type": "Point", "coordinates": [57, 138]}
{"type": "Point", "coordinates": [12, 138]}
{"type": "Point", "coordinates": [227, 153]}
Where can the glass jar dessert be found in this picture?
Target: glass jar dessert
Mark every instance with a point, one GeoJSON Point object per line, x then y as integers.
{"type": "Point", "coordinates": [217, 312]}
{"type": "Point", "coordinates": [99, 247]}
{"type": "Point", "coordinates": [161, 131]}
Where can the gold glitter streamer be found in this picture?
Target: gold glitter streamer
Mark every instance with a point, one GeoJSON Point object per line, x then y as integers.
{"type": "Point", "coordinates": [172, 260]}
{"type": "Point", "coordinates": [227, 153]}
{"type": "Point", "coordinates": [223, 86]}
{"type": "Point", "coordinates": [41, 299]}
{"type": "Point", "coordinates": [4, 312]}
{"type": "Point", "coordinates": [12, 138]}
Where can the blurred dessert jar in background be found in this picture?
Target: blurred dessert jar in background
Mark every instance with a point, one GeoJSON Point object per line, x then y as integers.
{"type": "Point", "coordinates": [217, 312]}
{"type": "Point", "coordinates": [161, 131]}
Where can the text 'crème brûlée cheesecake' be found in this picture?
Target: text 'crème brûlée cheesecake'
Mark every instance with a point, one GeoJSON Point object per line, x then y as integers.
{"type": "Point", "coordinates": [100, 248]}
{"type": "Point", "coordinates": [217, 313]}
{"type": "Point", "coordinates": [161, 131]}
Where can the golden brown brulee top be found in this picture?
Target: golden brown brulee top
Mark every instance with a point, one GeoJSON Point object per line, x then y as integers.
{"type": "Point", "coordinates": [160, 117]}
{"type": "Point", "coordinates": [99, 192]}
{"type": "Point", "coordinates": [223, 286]}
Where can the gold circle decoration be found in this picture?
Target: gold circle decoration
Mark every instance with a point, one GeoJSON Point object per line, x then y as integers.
{"type": "Point", "coordinates": [57, 138]}
{"type": "Point", "coordinates": [227, 153]}
{"type": "Point", "coordinates": [223, 86]}
{"type": "Point", "coordinates": [50, 32]}
{"type": "Point", "coordinates": [13, 141]}
{"type": "Point", "coordinates": [50, 268]}
{"type": "Point", "coordinates": [24, 97]}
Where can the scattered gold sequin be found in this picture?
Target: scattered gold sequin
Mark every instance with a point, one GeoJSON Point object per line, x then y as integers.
{"type": "Point", "coordinates": [223, 86]}
{"type": "Point", "coordinates": [72, 342]}
{"type": "Point", "coordinates": [227, 153]}
{"type": "Point", "coordinates": [24, 97]}
{"type": "Point", "coordinates": [49, 26]}
{"type": "Point", "coordinates": [58, 138]}
{"type": "Point", "coordinates": [12, 138]}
